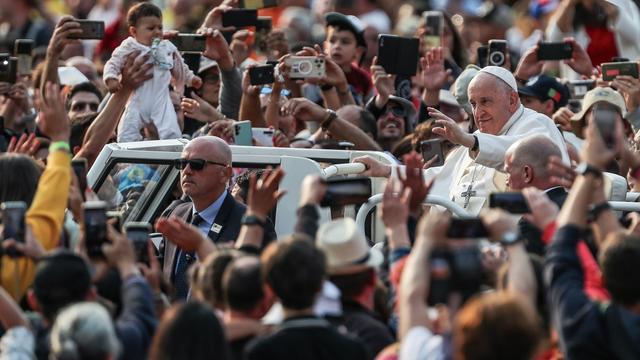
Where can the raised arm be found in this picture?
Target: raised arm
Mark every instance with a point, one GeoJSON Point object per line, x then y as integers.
{"type": "Point", "coordinates": [66, 27]}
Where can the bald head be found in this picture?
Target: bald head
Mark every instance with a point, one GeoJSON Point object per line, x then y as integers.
{"type": "Point", "coordinates": [217, 148]}
{"type": "Point", "coordinates": [533, 152]}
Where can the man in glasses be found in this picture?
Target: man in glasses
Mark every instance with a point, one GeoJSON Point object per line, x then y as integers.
{"type": "Point", "coordinates": [394, 121]}
{"type": "Point", "coordinates": [205, 171]}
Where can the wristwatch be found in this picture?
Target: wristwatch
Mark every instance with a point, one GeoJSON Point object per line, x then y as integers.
{"type": "Point", "coordinates": [596, 209]}
{"type": "Point", "coordinates": [252, 220]}
{"type": "Point", "coordinates": [510, 238]}
{"type": "Point", "coordinates": [584, 169]}
{"type": "Point", "coordinates": [330, 117]}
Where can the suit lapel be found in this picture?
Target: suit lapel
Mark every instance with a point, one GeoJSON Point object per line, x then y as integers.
{"type": "Point", "coordinates": [220, 221]}
{"type": "Point", "coordinates": [182, 211]}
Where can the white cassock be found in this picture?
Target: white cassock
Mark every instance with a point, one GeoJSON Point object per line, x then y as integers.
{"type": "Point", "coordinates": [468, 182]}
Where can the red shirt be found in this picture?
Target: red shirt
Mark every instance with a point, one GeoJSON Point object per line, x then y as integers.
{"type": "Point", "coordinates": [360, 81]}
{"type": "Point", "coordinates": [602, 46]}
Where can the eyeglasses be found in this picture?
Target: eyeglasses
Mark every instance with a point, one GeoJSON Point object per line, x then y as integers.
{"type": "Point", "coordinates": [196, 164]}
{"type": "Point", "coordinates": [397, 111]}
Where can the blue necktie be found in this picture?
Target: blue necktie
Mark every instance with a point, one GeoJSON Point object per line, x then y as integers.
{"type": "Point", "coordinates": [185, 259]}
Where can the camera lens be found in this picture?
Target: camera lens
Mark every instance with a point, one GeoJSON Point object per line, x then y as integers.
{"type": "Point", "coordinates": [496, 58]}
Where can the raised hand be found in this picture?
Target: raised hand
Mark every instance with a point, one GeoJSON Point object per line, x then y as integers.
{"type": "Point", "coordinates": [450, 130]}
{"type": "Point", "coordinates": [185, 236]}
{"type": "Point", "coordinates": [65, 28]}
{"type": "Point", "coordinates": [383, 82]}
{"type": "Point", "coordinates": [263, 194]}
{"type": "Point", "coordinates": [217, 49]}
{"type": "Point", "coordinates": [580, 61]}
{"type": "Point", "coordinates": [199, 109]}
{"type": "Point", "coordinates": [395, 205]}
{"type": "Point", "coordinates": [54, 121]}
{"type": "Point", "coordinates": [543, 210]}
{"type": "Point", "coordinates": [433, 75]}
{"type": "Point", "coordinates": [563, 117]}
{"type": "Point", "coordinates": [304, 109]}
{"type": "Point", "coordinates": [529, 65]}
{"type": "Point", "coordinates": [239, 46]}
{"type": "Point", "coordinates": [560, 174]}
{"type": "Point", "coordinates": [27, 145]}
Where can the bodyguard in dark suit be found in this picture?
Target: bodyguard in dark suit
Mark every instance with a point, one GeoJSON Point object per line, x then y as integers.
{"type": "Point", "coordinates": [205, 166]}
{"type": "Point", "coordinates": [526, 165]}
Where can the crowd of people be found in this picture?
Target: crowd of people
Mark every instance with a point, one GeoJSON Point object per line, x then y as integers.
{"type": "Point", "coordinates": [557, 279]}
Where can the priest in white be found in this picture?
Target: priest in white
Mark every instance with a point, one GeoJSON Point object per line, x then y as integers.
{"type": "Point", "coordinates": [475, 169]}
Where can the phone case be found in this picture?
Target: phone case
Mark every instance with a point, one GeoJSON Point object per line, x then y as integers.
{"type": "Point", "coordinates": [301, 67]}
{"type": "Point", "coordinates": [612, 69]}
{"type": "Point", "coordinates": [398, 55]}
{"type": "Point", "coordinates": [243, 134]}
{"type": "Point", "coordinates": [93, 30]}
{"type": "Point", "coordinates": [261, 75]}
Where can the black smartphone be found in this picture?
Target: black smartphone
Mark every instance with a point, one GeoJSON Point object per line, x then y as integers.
{"type": "Point", "coordinates": [513, 202]}
{"type": "Point", "coordinates": [79, 167]}
{"type": "Point", "coordinates": [578, 88]}
{"type": "Point", "coordinates": [189, 42]}
{"type": "Point", "coordinates": [349, 191]}
{"type": "Point", "coordinates": [91, 30]}
{"type": "Point", "coordinates": [263, 28]}
{"type": "Point", "coordinates": [95, 227]}
{"type": "Point", "coordinates": [467, 228]}
{"type": "Point", "coordinates": [13, 213]}
{"type": "Point", "coordinates": [482, 53]}
{"type": "Point", "coordinates": [555, 51]}
{"type": "Point", "coordinates": [138, 233]}
{"type": "Point", "coordinates": [431, 148]}
{"type": "Point", "coordinates": [619, 59]}
{"type": "Point", "coordinates": [497, 52]}
{"type": "Point", "coordinates": [398, 55]}
{"type": "Point", "coordinates": [240, 18]}
{"type": "Point", "coordinates": [257, 4]}
{"type": "Point", "coordinates": [612, 69]}
{"type": "Point", "coordinates": [605, 120]}
{"type": "Point", "coordinates": [434, 27]}
{"type": "Point", "coordinates": [262, 75]}
{"type": "Point", "coordinates": [23, 50]}
{"type": "Point", "coordinates": [8, 68]}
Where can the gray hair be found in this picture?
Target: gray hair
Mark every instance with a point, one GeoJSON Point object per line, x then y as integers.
{"type": "Point", "coordinates": [84, 331]}
{"type": "Point", "coordinates": [535, 151]}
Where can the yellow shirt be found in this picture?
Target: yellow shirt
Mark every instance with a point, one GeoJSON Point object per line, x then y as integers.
{"type": "Point", "coordinates": [45, 217]}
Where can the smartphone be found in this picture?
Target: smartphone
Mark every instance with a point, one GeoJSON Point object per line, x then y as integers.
{"type": "Point", "coordinates": [257, 4]}
{"type": "Point", "coordinates": [262, 75]}
{"type": "Point", "coordinates": [240, 18]}
{"type": "Point", "coordinates": [619, 59]}
{"type": "Point", "coordinates": [302, 67]}
{"type": "Point", "coordinates": [434, 27]}
{"type": "Point", "coordinates": [138, 233]}
{"type": "Point", "coordinates": [95, 227]}
{"type": "Point", "coordinates": [23, 50]}
{"type": "Point", "coordinates": [398, 55]}
{"type": "Point", "coordinates": [497, 52]}
{"type": "Point", "coordinates": [578, 88]}
{"type": "Point", "coordinates": [513, 202]}
{"type": "Point", "coordinates": [349, 191]}
{"type": "Point", "coordinates": [431, 148]}
{"type": "Point", "coordinates": [263, 135]}
{"type": "Point", "coordinates": [482, 54]}
{"type": "Point", "coordinates": [605, 120]}
{"type": "Point", "coordinates": [263, 28]}
{"type": "Point", "coordinates": [79, 167]}
{"type": "Point", "coordinates": [612, 69]}
{"type": "Point", "coordinates": [91, 30]}
{"type": "Point", "coordinates": [555, 51]}
{"type": "Point", "coordinates": [13, 213]}
{"type": "Point", "coordinates": [189, 42]}
{"type": "Point", "coordinates": [243, 133]}
{"type": "Point", "coordinates": [466, 228]}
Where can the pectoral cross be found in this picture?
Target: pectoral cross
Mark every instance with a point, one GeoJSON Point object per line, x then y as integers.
{"type": "Point", "coordinates": [467, 195]}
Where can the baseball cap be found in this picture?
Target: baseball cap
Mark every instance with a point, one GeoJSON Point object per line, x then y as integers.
{"type": "Point", "coordinates": [544, 88]}
{"type": "Point", "coordinates": [408, 107]}
{"type": "Point", "coordinates": [601, 94]}
{"type": "Point", "coordinates": [347, 22]}
{"type": "Point", "coordinates": [460, 86]}
{"type": "Point", "coordinates": [502, 74]}
{"type": "Point", "coordinates": [206, 64]}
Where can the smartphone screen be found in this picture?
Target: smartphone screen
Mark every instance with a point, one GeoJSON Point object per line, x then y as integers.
{"type": "Point", "coordinates": [95, 222]}
{"type": "Point", "coordinates": [341, 192]}
{"type": "Point", "coordinates": [240, 18]}
{"type": "Point", "coordinates": [431, 148]}
{"type": "Point", "coordinates": [513, 202]}
{"type": "Point", "coordinates": [138, 233]}
{"type": "Point", "coordinates": [433, 28]}
{"type": "Point", "coordinates": [555, 51]}
{"type": "Point", "coordinates": [466, 229]}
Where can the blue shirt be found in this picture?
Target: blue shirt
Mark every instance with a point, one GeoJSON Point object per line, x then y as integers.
{"type": "Point", "coordinates": [209, 214]}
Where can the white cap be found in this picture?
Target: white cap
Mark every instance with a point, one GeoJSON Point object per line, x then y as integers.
{"type": "Point", "coordinates": [502, 74]}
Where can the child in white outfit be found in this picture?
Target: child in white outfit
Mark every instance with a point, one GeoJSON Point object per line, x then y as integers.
{"type": "Point", "coordinates": [151, 102]}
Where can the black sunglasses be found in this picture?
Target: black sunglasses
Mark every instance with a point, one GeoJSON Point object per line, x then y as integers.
{"type": "Point", "coordinates": [196, 164]}
{"type": "Point", "coordinates": [396, 110]}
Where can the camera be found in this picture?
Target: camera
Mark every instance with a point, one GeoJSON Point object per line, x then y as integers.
{"type": "Point", "coordinates": [302, 67]}
{"type": "Point", "coordinates": [497, 52]}
{"type": "Point", "coordinates": [138, 233]}
{"type": "Point", "coordinates": [513, 202]}
{"type": "Point", "coordinates": [261, 75]}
